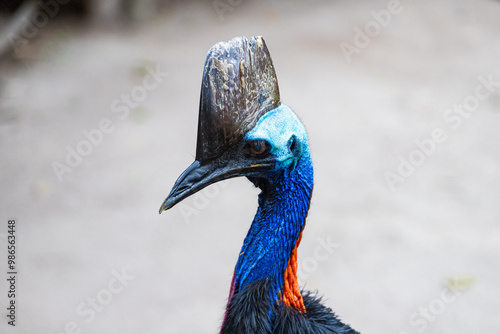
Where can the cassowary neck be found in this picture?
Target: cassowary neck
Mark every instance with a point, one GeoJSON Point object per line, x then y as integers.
{"type": "Point", "coordinates": [269, 249]}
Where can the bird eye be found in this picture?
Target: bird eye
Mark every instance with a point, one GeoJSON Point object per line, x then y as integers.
{"type": "Point", "coordinates": [258, 148]}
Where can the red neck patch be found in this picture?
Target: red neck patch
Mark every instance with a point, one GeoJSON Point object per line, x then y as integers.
{"type": "Point", "coordinates": [291, 292]}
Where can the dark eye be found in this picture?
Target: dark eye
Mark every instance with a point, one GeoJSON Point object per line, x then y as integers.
{"type": "Point", "coordinates": [257, 148]}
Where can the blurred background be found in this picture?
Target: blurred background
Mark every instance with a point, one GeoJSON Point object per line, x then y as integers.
{"type": "Point", "coordinates": [98, 117]}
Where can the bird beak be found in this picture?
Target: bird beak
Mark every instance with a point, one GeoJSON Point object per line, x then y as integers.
{"type": "Point", "coordinates": [199, 175]}
{"type": "Point", "coordinates": [239, 85]}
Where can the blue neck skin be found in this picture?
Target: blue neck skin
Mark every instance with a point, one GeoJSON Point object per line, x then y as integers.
{"type": "Point", "coordinates": [283, 205]}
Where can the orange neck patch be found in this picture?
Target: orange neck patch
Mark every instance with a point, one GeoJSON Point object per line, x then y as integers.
{"type": "Point", "coordinates": [291, 292]}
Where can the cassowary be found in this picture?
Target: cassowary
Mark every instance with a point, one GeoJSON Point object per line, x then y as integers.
{"type": "Point", "coordinates": [244, 130]}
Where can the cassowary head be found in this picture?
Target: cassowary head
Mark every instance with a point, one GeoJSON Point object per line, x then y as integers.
{"type": "Point", "coordinates": [243, 129]}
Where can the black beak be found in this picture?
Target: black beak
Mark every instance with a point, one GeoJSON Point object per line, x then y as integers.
{"type": "Point", "coordinates": [199, 175]}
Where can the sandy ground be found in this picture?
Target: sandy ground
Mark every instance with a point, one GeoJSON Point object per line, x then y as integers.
{"type": "Point", "coordinates": [420, 256]}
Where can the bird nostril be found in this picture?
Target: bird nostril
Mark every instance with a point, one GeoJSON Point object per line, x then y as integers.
{"type": "Point", "coordinates": [183, 188]}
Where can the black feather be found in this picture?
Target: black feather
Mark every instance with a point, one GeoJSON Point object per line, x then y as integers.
{"type": "Point", "coordinates": [248, 312]}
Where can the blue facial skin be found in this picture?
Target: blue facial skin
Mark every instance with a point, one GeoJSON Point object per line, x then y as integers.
{"type": "Point", "coordinates": [283, 202]}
